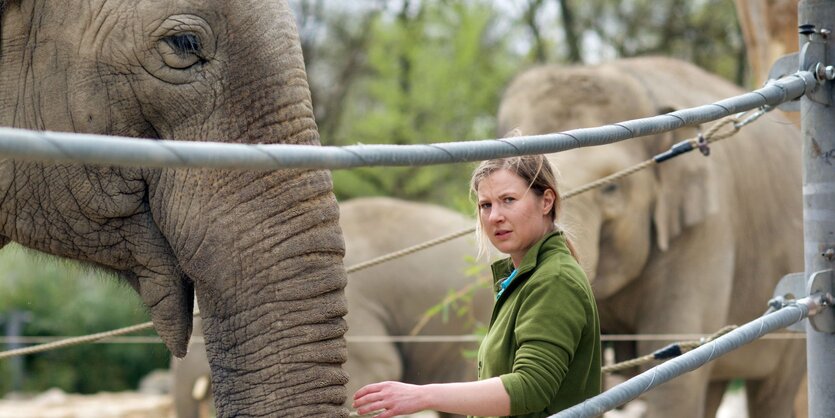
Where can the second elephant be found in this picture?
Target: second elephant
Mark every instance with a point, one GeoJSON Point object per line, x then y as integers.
{"type": "Point", "coordinates": [390, 299]}
{"type": "Point", "coordinates": [690, 245]}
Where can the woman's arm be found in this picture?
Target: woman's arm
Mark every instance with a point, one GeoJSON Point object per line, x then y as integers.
{"type": "Point", "coordinates": [484, 398]}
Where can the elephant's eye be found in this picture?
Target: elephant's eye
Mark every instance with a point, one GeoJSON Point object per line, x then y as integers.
{"type": "Point", "coordinates": [181, 51]}
{"type": "Point", "coordinates": [610, 188]}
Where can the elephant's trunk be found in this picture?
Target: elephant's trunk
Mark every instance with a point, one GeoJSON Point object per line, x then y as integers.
{"type": "Point", "coordinates": [583, 222]}
{"type": "Point", "coordinates": [269, 278]}
{"type": "Point", "coordinates": [265, 253]}
{"type": "Point", "coordinates": [264, 249]}
{"type": "Point", "coordinates": [273, 324]}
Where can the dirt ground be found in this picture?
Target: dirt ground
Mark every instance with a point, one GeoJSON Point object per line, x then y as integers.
{"type": "Point", "coordinates": [56, 404]}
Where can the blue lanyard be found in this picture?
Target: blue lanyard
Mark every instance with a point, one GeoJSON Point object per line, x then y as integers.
{"type": "Point", "coordinates": [505, 283]}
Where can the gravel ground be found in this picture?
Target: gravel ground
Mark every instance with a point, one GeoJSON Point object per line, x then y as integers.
{"type": "Point", "coordinates": [57, 404]}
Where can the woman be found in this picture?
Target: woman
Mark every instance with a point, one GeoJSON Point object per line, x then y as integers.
{"type": "Point", "coordinates": [541, 353]}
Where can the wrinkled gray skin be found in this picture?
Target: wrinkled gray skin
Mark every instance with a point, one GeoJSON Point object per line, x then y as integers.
{"type": "Point", "coordinates": [391, 298]}
{"type": "Point", "coordinates": [686, 247]}
{"type": "Point", "coordinates": [261, 250]}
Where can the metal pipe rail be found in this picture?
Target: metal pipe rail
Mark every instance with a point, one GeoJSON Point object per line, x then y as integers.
{"type": "Point", "coordinates": [27, 145]}
{"type": "Point", "coordinates": [694, 359]}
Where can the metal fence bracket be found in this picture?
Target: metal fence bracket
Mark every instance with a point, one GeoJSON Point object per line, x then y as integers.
{"type": "Point", "coordinates": [785, 66]}
{"type": "Point", "coordinates": [812, 57]}
{"type": "Point", "coordinates": [792, 287]}
{"type": "Point", "coordinates": [822, 282]}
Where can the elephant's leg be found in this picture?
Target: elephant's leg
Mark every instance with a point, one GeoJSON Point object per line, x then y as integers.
{"type": "Point", "coordinates": [184, 404]}
{"type": "Point", "coordinates": [192, 383]}
{"type": "Point", "coordinates": [801, 399]}
{"type": "Point", "coordinates": [679, 298]}
{"type": "Point", "coordinates": [370, 363]}
{"type": "Point", "coordinates": [773, 396]}
{"type": "Point", "coordinates": [715, 393]}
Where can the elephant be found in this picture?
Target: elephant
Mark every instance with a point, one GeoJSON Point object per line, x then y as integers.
{"type": "Point", "coordinates": [262, 251]}
{"type": "Point", "coordinates": [391, 299]}
{"type": "Point", "coordinates": [693, 244]}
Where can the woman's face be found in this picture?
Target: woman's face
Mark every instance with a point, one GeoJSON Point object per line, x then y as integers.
{"type": "Point", "coordinates": [513, 217]}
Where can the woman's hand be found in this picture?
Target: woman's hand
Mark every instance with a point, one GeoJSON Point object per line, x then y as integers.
{"type": "Point", "coordinates": [392, 398]}
{"type": "Point", "coordinates": [482, 398]}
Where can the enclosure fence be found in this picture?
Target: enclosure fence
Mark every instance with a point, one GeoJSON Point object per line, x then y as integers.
{"type": "Point", "coordinates": [632, 388]}
{"type": "Point", "coordinates": [714, 134]}
{"type": "Point", "coordinates": [92, 149]}
{"type": "Point", "coordinates": [28, 145]}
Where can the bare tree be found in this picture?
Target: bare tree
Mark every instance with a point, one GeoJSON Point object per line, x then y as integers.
{"type": "Point", "coordinates": [769, 28]}
{"type": "Point", "coordinates": [571, 37]}
{"type": "Point", "coordinates": [539, 48]}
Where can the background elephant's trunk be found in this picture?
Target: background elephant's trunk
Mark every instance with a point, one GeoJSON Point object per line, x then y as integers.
{"type": "Point", "coordinates": [582, 222]}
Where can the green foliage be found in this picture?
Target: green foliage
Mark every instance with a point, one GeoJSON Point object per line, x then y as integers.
{"type": "Point", "coordinates": [430, 77]}
{"type": "Point", "coordinates": [66, 299]}
{"type": "Point", "coordinates": [426, 71]}
{"type": "Point", "coordinates": [460, 302]}
{"type": "Point", "coordinates": [704, 32]}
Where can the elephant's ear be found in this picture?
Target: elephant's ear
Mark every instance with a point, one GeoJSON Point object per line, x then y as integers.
{"type": "Point", "coordinates": [686, 192]}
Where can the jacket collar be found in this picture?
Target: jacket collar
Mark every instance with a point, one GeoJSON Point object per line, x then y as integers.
{"type": "Point", "coordinates": [553, 241]}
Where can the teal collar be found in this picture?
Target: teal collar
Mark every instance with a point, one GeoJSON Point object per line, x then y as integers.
{"type": "Point", "coordinates": [504, 273]}
{"type": "Point", "coordinates": [505, 283]}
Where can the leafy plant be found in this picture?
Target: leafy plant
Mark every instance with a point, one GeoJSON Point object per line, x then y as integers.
{"type": "Point", "coordinates": [64, 298]}
{"type": "Point", "coordinates": [432, 73]}
{"type": "Point", "coordinates": [459, 302]}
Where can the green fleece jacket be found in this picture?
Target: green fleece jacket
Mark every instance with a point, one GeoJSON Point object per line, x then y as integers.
{"type": "Point", "coordinates": [544, 335]}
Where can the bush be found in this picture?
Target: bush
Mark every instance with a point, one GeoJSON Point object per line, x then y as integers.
{"type": "Point", "coordinates": [65, 298]}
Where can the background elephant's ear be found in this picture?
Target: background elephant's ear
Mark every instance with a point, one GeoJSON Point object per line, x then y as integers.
{"type": "Point", "coordinates": [513, 133]}
{"type": "Point", "coordinates": [685, 192]}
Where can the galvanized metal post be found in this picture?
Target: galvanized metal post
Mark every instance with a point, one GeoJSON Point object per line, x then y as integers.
{"type": "Point", "coordinates": [817, 43]}
{"type": "Point", "coordinates": [15, 321]}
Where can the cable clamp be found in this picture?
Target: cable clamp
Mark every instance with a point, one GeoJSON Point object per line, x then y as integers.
{"type": "Point", "coordinates": [821, 285]}
{"type": "Point", "coordinates": [668, 352]}
{"type": "Point", "coordinates": [703, 145]}
{"type": "Point", "coordinates": [681, 148]}
{"type": "Point", "coordinates": [776, 303]}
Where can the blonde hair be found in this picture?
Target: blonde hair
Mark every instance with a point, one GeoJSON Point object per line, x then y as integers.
{"type": "Point", "coordinates": [535, 170]}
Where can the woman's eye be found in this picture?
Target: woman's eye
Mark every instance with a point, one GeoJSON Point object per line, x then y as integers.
{"type": "Point", "coordinates": [509, 200]}
{"type": "Point", "coordinates": [484, 206]}
{"type": "Point", "coordinates": [181, 51]}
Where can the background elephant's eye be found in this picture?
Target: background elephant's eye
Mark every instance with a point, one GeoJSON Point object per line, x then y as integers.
{"type": "Point", "coordinates": [610, 188]}
{"type": "Point", "coordinates": [181, 51]}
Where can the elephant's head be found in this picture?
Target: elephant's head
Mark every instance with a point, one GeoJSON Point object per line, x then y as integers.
{"type": "Point", "coordinates": [262, 250]}
{"type": "Point", "coordinates": [618, 226]}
